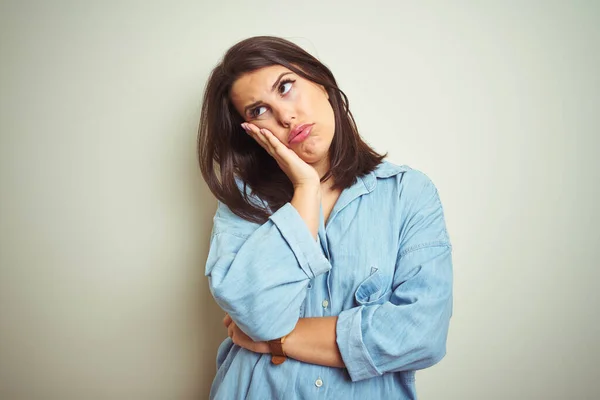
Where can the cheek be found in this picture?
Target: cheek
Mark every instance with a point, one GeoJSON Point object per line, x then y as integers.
{"type": "Point", "coordinates": [272, 126]}
{"type": "Point", "coordinates": [317, 106]}
{"type": "Point", "coordinates": [323, 112]}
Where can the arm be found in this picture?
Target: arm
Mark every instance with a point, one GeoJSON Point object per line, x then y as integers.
{"type": "Point", "coordinates": [311, 341]}
{"type": "Point", "coordinates": [258, 274]}
{"type": "Point", "coordinates": [408, 331]}
{"type": "Point", "coordinates": [307, 202]}
{"type": "Point", "coordinates": [363, 340]}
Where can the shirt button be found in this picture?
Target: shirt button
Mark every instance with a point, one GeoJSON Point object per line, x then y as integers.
{"type": "Point", "coordinates": [318, 382]}
{"type": "Point", "coordinates": [325, 303]}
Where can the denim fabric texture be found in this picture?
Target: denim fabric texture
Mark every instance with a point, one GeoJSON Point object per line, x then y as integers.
{"type": "Point", "coordinates": [382, 264]}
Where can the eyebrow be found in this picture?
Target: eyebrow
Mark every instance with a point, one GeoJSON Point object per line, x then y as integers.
{"type": "Point", "coordinates": [272, 89]}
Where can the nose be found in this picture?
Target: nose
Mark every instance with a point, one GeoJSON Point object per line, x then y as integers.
{"type": "Point", "coordinates": [286, 117]}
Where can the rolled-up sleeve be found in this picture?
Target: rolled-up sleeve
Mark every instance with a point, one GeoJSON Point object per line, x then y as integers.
{"type": "Point", "coordinates": [408, 331]}
{"type": "Point", "coordinates": [259, 273]}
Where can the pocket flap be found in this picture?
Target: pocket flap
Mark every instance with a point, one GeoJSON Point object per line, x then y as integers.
{"type": "Point", "coordinates": [372, 289]}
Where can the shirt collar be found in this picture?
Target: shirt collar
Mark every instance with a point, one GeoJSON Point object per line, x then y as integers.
{"type": "Point", "coordinates": [384, 170]}
{"type": "Point", "coordinates": [366, 184]}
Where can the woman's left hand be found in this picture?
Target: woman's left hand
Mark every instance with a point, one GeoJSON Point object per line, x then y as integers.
{"type": "Point", "coordinates": [243, 340]}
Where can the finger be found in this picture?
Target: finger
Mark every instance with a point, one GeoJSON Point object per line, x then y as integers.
{"type": "Point", "coordinates": [255, 132]}
{"type": "Point", "coordinates": [273, 141]}
{"type": "Point", "coordinates": [260, 136]}
{"type": "Point", "coordinates": [281, 152]}
{"type": "Point", "coordinates": [252, 130]}
{"type": "Point", "coordinates": [227, 320]}
{"type": "Point", "coordinates": [230, 330]}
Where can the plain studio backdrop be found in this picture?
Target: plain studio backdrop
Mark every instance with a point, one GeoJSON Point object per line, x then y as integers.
{"type": "Point", "coordinates": [105, 219]}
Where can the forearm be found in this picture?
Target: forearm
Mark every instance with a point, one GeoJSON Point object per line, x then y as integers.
{"type": "Point", "coordinates": [307, 201]}
{"type": "Point", "coordinates": [313, 341]}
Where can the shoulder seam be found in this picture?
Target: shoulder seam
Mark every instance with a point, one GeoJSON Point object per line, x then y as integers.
{"type": "Point", "coordinates": [219, 233]}
{"type": "Point", "coordinates": [437, 243]}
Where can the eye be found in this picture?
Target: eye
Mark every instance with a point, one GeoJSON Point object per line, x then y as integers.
{"type": "Point", "coordinates": [256, 111]}
{"type": "Point", "coordinates": [285, 87]}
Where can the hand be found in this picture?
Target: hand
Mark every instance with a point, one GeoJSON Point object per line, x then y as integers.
{"type": "Point", "coordinates": [243, 340]}
{"type": "Point", "coordinates": [299, 172]}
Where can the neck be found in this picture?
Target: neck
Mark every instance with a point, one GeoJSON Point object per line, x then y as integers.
{"type": "Point", "coordinates": [322, 167]}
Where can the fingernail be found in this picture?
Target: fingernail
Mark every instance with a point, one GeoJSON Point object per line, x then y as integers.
{"type": "Point", "coordinates": [244, 126]}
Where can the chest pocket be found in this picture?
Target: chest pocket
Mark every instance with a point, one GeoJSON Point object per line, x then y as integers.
{"type": "Point", "coordinates": [373, 290]}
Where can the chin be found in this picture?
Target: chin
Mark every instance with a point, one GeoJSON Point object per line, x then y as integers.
{"type": "Point", "coordinates": [311, 158]}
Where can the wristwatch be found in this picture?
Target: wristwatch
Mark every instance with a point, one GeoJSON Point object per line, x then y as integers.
{"type": "Point", "coordinates": [278, 356]}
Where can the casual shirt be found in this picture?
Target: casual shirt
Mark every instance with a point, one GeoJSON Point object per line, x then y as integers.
{"type": "Point", "coordinates": [381, 264]}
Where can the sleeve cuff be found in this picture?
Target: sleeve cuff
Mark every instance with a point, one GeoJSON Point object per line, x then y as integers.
{"type": "Point", "coordinates": [350, 343]}
{"type": "Point", "coordinates": [307, 251]}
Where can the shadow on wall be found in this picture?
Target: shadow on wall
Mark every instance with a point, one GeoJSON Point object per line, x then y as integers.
{"type": "Point", "coordinates": [211, 331]}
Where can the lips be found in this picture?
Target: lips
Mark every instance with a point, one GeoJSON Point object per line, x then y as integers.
{"type": "Point", "coordinates": [297, 130]}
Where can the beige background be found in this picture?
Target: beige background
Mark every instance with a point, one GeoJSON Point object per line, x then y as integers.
{"type": "Point", "coordinates": [105, 220]}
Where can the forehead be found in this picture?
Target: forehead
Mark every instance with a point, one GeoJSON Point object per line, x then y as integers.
{"type": "Point", "coordinates": [252, 85]}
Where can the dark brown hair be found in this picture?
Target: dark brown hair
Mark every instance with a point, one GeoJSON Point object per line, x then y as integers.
{"type": "Point", "coordinates": [226, 152]}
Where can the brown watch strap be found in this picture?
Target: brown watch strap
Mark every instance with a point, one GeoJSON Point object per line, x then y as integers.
{"type": "Point", "coordinates": [278, 356]}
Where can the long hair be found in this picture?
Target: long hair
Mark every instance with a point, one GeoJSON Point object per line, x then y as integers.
{"type": "Point", "coordinates": [228, 156]}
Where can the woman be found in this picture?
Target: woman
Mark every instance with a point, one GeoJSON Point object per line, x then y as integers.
{"type": "Point", "coordinates": [333, 266]}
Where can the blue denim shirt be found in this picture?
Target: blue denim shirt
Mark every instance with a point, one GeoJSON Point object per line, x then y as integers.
{"type": "Point", "coordinates": [382, 264]}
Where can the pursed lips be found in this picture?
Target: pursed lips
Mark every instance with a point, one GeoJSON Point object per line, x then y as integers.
{"type": "Point", "coordinates": [297, 130]}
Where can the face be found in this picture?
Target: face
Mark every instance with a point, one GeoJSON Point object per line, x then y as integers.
{"type": "Point", "coordinates": [279, 100]}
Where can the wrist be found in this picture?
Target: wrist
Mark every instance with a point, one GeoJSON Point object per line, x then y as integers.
{"type": "Point", "coordinates": [278, 354]}
{"type": "Point", "coordinates": [308, 189]}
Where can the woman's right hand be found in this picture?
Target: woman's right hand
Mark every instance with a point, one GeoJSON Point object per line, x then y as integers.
{"type": "Point", "coordinates": [297, 170]}
{"type": "Point", "coordinates": [306, 180]}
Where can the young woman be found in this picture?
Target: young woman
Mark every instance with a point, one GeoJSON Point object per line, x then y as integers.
{"type": "Point", "coordinates": [333, 266]}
